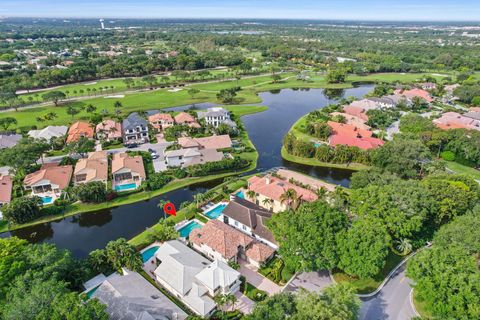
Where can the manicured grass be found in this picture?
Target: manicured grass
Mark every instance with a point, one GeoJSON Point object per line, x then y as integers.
{"type": "Point", "coordinates": [276, 271]}
{"type": "Point", "coordinates": [158, 99]}
{"type": "Point", "coordinates": [253, 293]}
{"type": "Point", "coordinates": [420, 306]}
{"type": "Point", "coordinates": [316, 163]}
{"type": "Point", "coordinates": [368, 285]}
{"type": "Point", "coordinates": [461, 169]}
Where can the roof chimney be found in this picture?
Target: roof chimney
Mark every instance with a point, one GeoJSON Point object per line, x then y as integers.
{"type": "Point", "coordinates": [267, 180]}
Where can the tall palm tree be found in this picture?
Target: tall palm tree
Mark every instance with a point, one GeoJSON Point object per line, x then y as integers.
{"type": "Point", "coordinates": [199, 197]}
{"type": "Point", "coordinates": [267, 202]}
{"type": "Point", "coordinates": [252, 195]}
{"type": "Point", "coordinates": [321, 193]}
{"type": "Point", "coordinates": [289, 197]}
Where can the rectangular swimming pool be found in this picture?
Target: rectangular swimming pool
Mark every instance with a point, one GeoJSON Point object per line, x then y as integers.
{"type": "Point", "coordinates": [187, 229]}
{"type": "Point", "coordinates": [125, 187]}
{"type": "Point", "coordinates": [215, 212]}
{"type": "Point", "coordinates": [47, 200]}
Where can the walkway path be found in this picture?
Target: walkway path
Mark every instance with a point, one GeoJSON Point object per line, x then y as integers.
{"type": "Point", "coordinates": [257, 280]}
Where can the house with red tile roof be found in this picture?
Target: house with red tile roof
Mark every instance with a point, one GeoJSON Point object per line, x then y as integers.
{"type": "Point", "coordinates": [356, 111]}
{"type": "Point", "coordinates": [184, 118]}
{"type": "Point", "coordinates": [415, 92]}
{"type": "Point", "coordinates": [49, 182]}
{"type": "Point", "coordinates": [269, 192]}
{"type": "Point", "coordinates": [78, 130]}
{"type": "Point", "coordinates": [219, 241]}
{"type": "Point", "coordinates": [128, 172]}
{"type": "Point", "coordinates": [91, 169]}
{"type": "Point", "coordinates": [349, 135]}
{"type": "Point", "coordinates": [352, 120]}
{"type": "Point", "coordinates": [212, 142]}
{"type": "Point", "coordinates": [455, 120]}
{"type": "Point", "coordinates": [161, 121]}
{"type": "Point", "coordinates": [109, 130]}
{"type": "Point", "coordinates": [6, 184]}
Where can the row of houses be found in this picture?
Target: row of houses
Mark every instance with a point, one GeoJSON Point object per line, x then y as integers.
{"type": "Point", "coordinates": [50, 180]}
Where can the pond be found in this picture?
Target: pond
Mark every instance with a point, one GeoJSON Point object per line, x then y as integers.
{"type": "Point", "coordinates": [89, 231]}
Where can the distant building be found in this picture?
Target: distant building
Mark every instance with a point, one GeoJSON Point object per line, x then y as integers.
{"type": "Point", "coordinates": [454, 120]}
{"type": "Point", "coordinates": [161, 121]}
{"type": "Point", "coordinates": [109, 130]}
{"type": "Point", "coordinates": [78, 130]}
{"type": "Point", "coordinates": [6, 184]}
{"type": "Point", "coordinates": [184, 118]}
{"type": "Point", "coordinates": [352, 136]}
{"type": "Point", "coordinates": [216, 116]}
{"type": "Point", "coordinates": [9, 140]}
{"type": "Point", "coordinates": [191, 156]}
{"type": "Point", "coordinates": [49, 132]}
{"type": "Point", "coordinates": [412, 93]}
{"type": "Point", "coordinates": [135, 129]}
{"type": "Point", "coordinates": [212, 142]}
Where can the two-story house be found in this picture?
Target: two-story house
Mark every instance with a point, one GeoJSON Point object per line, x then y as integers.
{"type": "Point", "coordinates": [128, 172]}
{"type": "Point", "coordinates": [49, 182]}
{"type": "Point", "coordinates": [135, 129]}
{"type": "Point", "coordinates": [192, 278]}
{"type": "Point", "coordinates": [91, 169]}
{"type": "Point", "coordinates": [216, 116]}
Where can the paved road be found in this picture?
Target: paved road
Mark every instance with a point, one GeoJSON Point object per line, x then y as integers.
{"type": "Point", "coordinates": [392, 302]}
{"type": "Point", "coordinates": [158, 164]}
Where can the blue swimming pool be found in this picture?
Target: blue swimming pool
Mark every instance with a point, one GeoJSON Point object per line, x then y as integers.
{"type": "Point", "coordinates": [215, 212]}
{"type": "Point", "coordinates": [91, 292]}
{"type": "Point", "coordinates": [149, 253]}
{"type": "Point", "coordinates": [240, 194]}
{"type": "Point", "coordinates": [187, 229]}
{"type": "Point", "coordinates": [124, 187]}
{"type": "Point", "coordinates": [47, 200]}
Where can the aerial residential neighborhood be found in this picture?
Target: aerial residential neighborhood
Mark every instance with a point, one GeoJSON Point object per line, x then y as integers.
{"type": "Point", "coordinates": [247, 160]}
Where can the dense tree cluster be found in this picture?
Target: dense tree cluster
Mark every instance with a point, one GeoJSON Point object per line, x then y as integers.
{"type": "Point", "coordinates": [36, 282]}
{"type": "Point", "coordinates": [447, 276]}
{"type": "Point", "coordinates": [335, 302]}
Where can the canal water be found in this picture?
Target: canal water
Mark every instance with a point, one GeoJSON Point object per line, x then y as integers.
{"type": "Point", "coordinates": [83, 233]}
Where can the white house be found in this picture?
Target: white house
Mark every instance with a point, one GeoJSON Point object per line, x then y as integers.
{"type": "Point", "coordinates": [216, 116]}
{"type": "Point", "coordinates": [192, 278]}
{"type": "Point", "coordinates": [49, 132]}
{"type": "Point", "coordinates": [191, 156]}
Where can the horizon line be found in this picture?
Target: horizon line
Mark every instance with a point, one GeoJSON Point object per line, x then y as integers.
{"type": "Point", "coordinates": [236, 18]}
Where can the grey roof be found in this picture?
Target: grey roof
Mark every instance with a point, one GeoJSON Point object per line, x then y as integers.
{"type": "Point", "coordinates": [48, 132]}
{"type": "Point", "coordinates": [251, 215]}
{"type": "Point", "coordinates": [189, 152]}
{"type": "Point", "coordinates": [213, 112]}
{"type": "Point", "coordinates": [9, 140]}
{"type": "Point", "coordinates": [473, 115]}
{"type": "Point", "coordinates": [132, 297]}
{"type": "Point", "coordinates": [384, 100]}
{"type": "Point", "coordinates": [134, 120]}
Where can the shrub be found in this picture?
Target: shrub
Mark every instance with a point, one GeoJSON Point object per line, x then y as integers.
{"type": "Point", "coordinates": [448, 156]}
{"type": "Point", "coordinates": [157, 181]}
{"type": "Point", "coordinates": [92, 192]}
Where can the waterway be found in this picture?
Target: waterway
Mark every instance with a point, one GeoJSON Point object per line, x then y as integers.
{"type": "Point", "coordinates": [83, 233]}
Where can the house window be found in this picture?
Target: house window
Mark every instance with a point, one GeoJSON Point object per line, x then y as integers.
{"type": "Point", "coordinates": [244, 228]}
{"type": "Point", "coordinates": [236, 223]}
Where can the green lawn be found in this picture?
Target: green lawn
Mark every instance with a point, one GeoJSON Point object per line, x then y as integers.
{"type": "Point", "coordinates": [368, 285]}
{"type": "Point", "coordinates": [420, 306]}
{"type": "Point", "coordinates": [316, 163]}
{"type": "Point", "coordinates": [163, 98]}
{"type": "Point", "coordinates": [461, 169]}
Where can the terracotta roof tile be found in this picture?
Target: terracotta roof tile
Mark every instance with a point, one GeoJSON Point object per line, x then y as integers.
{"type": "Point", "coordinates": [59, 175]}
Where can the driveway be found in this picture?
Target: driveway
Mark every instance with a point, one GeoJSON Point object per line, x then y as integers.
{"type": "Point", "coordinates": [257, 280]}
{"type": "Point", "coordinates": [243, 304]}
{"type": "Point", "coordinates": [310, 281]}
{"type": "Point", "coordinates": [392, 302]}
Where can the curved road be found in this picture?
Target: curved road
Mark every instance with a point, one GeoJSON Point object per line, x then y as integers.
{"type": "Point", "coordinates": [392, 302]}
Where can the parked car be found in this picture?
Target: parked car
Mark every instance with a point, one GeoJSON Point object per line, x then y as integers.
{"type": "Point", "coordinates": [131, 145]}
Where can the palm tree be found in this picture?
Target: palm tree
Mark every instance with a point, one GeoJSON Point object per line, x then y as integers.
{"type": "Point", "coordinates": [404, 246]}
{"type": "Point", "coordinates": [290, 198]}
{"type": "Point", "coordinates": [224, 300]}
{"type": "Point", "coordinates": [252, 195]}
{"type": "Point", "coordinates": [199, 197]}
{"type": "Point", "coordinates": [267, 202]}
{"type": "Point", "coordinates": [321, 193]}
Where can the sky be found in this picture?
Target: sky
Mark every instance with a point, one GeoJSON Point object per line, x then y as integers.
{"type": "Point", "coordinates": [400, 10]}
